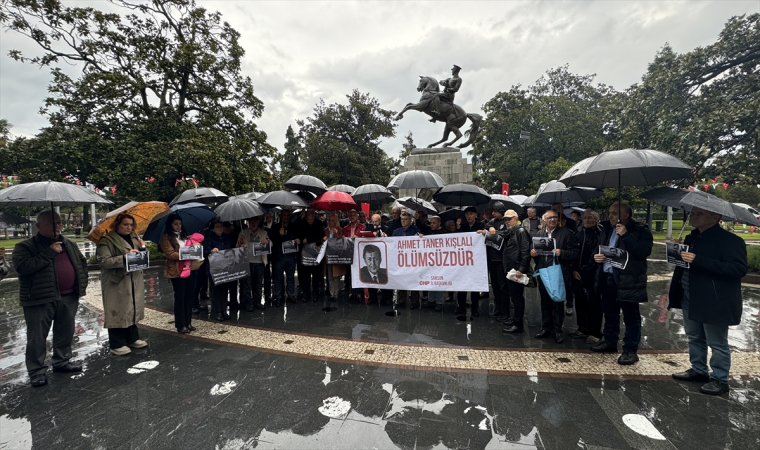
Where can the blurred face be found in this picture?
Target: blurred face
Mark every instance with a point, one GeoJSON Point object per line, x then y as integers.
{"type": "Point", "coordinates": [406, 221]}
{"type": "Point", "coordinates": [218, 229]}
{"type": "Point", "coordinates": [362, 217]}
{"type": "Point", "coordinates": [268, 217]}
{"type": "Point", "coordinates": [531, 213]}
{"type": "Point", "coordinates": [253, 224]}
{"type": "Point", "coordinates": [435, 223]}
{"type": "Point", "coordinates": [512, 221]}
{"type": "Point", "coordinates": [352, 216]}
{"type": "Point", "coordinates": [451, 226]}
{"type": "Point", "coordinates": [575, 215]}
{"type": "Point", "coordinates": [395, 212]}
{"type": "Point", "coordinates": [177, 225]}
{"type": "Point", "coordinates": [384, 219]}
{"type": "Point", "coordinates": [126, 226]}
{"type": "Point", "coordinates": [551, 218]}
{"type": "Point", "coordinates": [616, 215]}
{"type": "Point", "coordinates": [372, 260]}
{"type": "Point", "coordinates": [310, 216]}
{"type": "Point", "coordinates": [50, 226]}
{"type": "Point", "coordinates": [376, 220]}
{"type": "Point", "coordinates": [702, 219]}
{"type": "Point", "coordinates": [285, 216]}
{"type": "Point", "coordinates": [422, 216]}
{"type": "Point", "coordinates": [589, 221]}
{"type": "Point", "coordinates": [333, 221]}
{"type": "Point", "coordinates": [471, 216]}
{"type": "Point", "coordinates": [495, 214]}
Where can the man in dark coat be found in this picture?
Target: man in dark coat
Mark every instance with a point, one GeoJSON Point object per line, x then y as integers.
{"type": "Point", "coordinates": [516, 255]}
{"type": "Point", "coordinates": [588, 302]}
{"type": "Point", "coordinates": [496, 228]}
{"type": "Point", "coordinates": [52, 275]}
{"type": "Point", "coordinates": [709, 293]}
{"type": "Point", "coordinates": [310, 230]}
{"type": "Point", "coordinates": [469, 225]}
{"type": "Point", "coordinates": [565, 252]}
{"type": "Point", "coordinates": [623, 289]}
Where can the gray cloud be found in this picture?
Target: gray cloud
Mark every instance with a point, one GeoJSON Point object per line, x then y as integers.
{"type": "Point", "coordinates": [299, 52]}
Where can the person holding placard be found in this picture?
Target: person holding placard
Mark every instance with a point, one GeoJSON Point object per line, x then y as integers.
{"type": "Point", "coordinates": [710, 295]}
{"type": "Point", "coordinates": [623, 289]}
{"type": "Point", "coordinates": [469, 225]}
{"type": "Point", "coordinates": [123, 291]}
{"type": "Point", "coordinates": [284, 258]}
{"type": "Point", "coordinates": [334, 271]}
{"type": "Point", "coordinates": [215, 242]}
{"type": "Point", "coordinates": [251, 287]}
{"type": "Point", "coordinates": [173, 238]}
{"type": "Point", "coordinates": [311, 231]}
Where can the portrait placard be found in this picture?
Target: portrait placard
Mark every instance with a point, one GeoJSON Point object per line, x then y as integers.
{"type": "Point", "coordinates": [616, 257]}
{"type": "Point", "coordinates": [228, 265]}
{"type": "Point", "coordinates": [137, 261]}
{"type": "Point", "coordinates": [190, 253]}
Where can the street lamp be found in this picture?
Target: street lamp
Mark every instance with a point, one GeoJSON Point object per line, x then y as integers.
{"type": "Point", "coordinates": [525, 137]}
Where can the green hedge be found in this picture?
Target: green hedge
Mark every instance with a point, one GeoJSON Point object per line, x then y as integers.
{"type": "Point", "coordinates": [753, 258]}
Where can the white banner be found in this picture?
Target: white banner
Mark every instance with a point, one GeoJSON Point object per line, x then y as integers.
{"type": "Point", "coordinates": [449, 262]}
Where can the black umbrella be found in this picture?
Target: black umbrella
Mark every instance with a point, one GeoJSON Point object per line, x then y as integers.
{"type": "Point", "coordinates": [509, 202]}
{"type": "Point", "coordinates": [49, 193]}
{"type": "Point", "coordinates": [195, 217]}
{"type": "Point", "coordinates": [461, 195]}
{"type": "Point", "coordinates": [689, 199]}
{"type": "Point", "coordinates": [372, 193]}
{"type": "Point", "coordinates": [200, 195]}
{"type": "Point", "coordinates": [342, 188]}
{"type": "Point", "coordinates": [239, 209]}
{"type": "Point", "coordinates": [555, 192]}
{"type": "Point", "coordinates": [285, 199]}
{"type": "Point", "coordinates": [629, 167]}
{"type": "Point", "coordinates": [451, 214]}
{"type": "Point", "coordinates": [417, 204]}
{"type": "Point", "coordinates": [306, 183]}
{"type": "Point", "coordinates": [416, 179]}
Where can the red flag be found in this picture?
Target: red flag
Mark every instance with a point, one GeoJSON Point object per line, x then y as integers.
{"type": "Point", "coordinates": [113, 189]}
{"type": "Point", "coordinates": [195, 183]}
{"type": "Point", "coordinates": [725, 186]}
{"type": "Point", "coordinates": [504, 188]}
{"type": "Point", "coordinates": [151, 179]}
{"type": "Point", "coordinates": [706, 187]}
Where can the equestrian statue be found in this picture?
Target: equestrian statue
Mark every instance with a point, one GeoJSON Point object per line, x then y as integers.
{"type": "Point", "coordinates": [440, 107]}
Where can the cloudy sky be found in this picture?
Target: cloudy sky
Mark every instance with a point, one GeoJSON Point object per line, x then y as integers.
{"type": "Point", "coordinates": [299, 52]}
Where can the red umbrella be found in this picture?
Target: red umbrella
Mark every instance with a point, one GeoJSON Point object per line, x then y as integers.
{"type": "Point", "coordinates": [334, 201]}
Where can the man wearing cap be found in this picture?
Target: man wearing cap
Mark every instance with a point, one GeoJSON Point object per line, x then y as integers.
{"type": "Point", "coordinates": [496, 228]}
{"type": "Point", "coordinates": [450, 88]}
{"type": "Point", "coordinates": [470, 225]}
{"type": "Point", "coordinates": [623, 289]}
{"type": "Point", "coordinates": [515, 255]}
{"type": "Point", "coordinates": [709, 293]}
{"type": "Point", "coordinates": [565, 252]}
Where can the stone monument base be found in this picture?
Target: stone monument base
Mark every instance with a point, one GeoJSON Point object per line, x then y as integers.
{"type": "Point", "coordinates": [447, 162]}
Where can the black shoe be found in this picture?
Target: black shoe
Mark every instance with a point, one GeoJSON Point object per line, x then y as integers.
{"type": "Point", "coordinates": [691, 375]}
{"type": "Point", "coordinates": [559, 337]}
{"type": "Point", "coordinates": [203, 307]}
{"type": "Point", "coordinates": [626, 359]}
{"type": "Point", "coordinates": [195, 310]}
{"type": "Point", "coordinates": [475, 313]}
{"type": "Point", "coordinates": [292, 300]}
{"type": "Point", "coordinates": [226, 316]}
{"type": "Point", "coordinates": [460, 310]}
{"type": "Point", "coordinates": [190, 328]}
{"type": "Point", "coordinates": [39, 380]}
{"type": "Point", "coordinates": [506, 320]}
{"type": "Point", "coordinates": [219, 317]}
{"type": "Point", "coordinates": [68, 367]}
{"type": "Point", "coordinates": [604, 346]}
{"type": "Point", "coordinates": [414, 305]}
{"type": "Point", "coordinates": [713, 387]}
{"type": "Point", "coordinates": [543, 334]}
{"type": "Point", "coordinates": [512, 329]}
{"type": "Point", "coordinates": [259, 306]}
{"type": "Point", "coordinates": [276, 303]}
{"type": "Point", "coordinates": [497, 314]}
{"type": "Point", "coordinates": [577, 334]}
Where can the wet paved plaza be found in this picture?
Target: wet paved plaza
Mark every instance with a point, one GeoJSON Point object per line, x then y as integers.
{"type": "Point", "coordinates": [299, 377]}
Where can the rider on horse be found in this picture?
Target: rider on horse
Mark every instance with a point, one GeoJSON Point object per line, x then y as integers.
{"type": "Point", "coordinates": [442, 103]}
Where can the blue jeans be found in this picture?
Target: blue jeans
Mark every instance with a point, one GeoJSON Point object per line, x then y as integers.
{"type": "Point", "coordinates": [631, 317]}
{"type": "Point", "coordinates": [701, 335]}
{"type": "Point", "coordinates": [287, 264]}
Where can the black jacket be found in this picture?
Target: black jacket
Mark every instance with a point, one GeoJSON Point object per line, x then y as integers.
{"type": "Point", "coordinates": [715, 275]}
{"type": "Point", "coordinates": [501, 230]}
{"type": "Point", "coordinates": [637, 241]}
{"type": "Point", "coordinates": [38, 280]}
{"type": "Point", "coordinates": [516, 250]}
{"type": "Point", "coordinates": [568, 245]}
{"type": "Point", "coordinates": [588, 242]}
{"type": "Point", "coordinates": [312, 233]}
{"type": "Point", "coordinates": [277, 240]}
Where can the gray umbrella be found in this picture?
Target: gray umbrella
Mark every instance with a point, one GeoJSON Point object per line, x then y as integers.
{"type": "Point", "coordinates": [372, 193]}
{"type": "Point", "coordinates": [45, 193]}
{"type": "Point", "coordinates": [690, 199]}
{"type": "Point", "coordinates": [461, 194]}
{"type": "Point", "coordinates": [248, 196]}
{"type": "Point", "coordinates": [239, 209]}
{"type": "Point", "coordinates": [285, 199]}
{"type": "Point", "coordinates": [306, 183]}
{"type": "Point", "coordinates": [555, 192]}
{"type": "Point", "coordinates": [416, 179]}
{"type": "Point", "coordinates": [342, 188]}
{"type": "Point", "coordinates": [200, 195]}
{"type": "Point", "coordinates": [417, 204]}
{"type": "Point", "coordinates": [629, 167]}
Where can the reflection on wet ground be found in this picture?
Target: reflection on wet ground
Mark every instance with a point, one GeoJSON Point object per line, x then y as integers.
{"type": "Point", "coordinates": [186, 393]}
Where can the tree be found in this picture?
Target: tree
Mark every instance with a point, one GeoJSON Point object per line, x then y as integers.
{"type": "Point", "coordinates": [744, 193]}
{"type": "Point", "coordinates": [341, 142]}
{"type": "Point", "coordinates": [5, 132]}
{"type": "Point", "coordinates": [291, 161]}
{"type": "Point", "coordinates": [566, 116]}
{"type": "Point", "coordinates": [702, 106]}
{"type": "Point", "coordinates": [161, 96]}
{"type": "Point", "coordinates": [408, 147]}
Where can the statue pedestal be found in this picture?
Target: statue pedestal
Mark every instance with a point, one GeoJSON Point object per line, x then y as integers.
{"type": "Point", "coordinates": [447, 162]}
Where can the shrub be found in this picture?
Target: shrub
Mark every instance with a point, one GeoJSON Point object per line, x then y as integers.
{"type": "Point", "coordinates": [155, 253]}
{"type": "Point", "coordinates": [753, 258]}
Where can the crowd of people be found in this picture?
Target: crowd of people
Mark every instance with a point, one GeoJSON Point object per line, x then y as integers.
{"type": "Point", "coordinates": [53, 276]}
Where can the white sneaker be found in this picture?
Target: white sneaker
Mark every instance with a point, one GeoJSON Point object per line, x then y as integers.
{"type": "Point", "coordinates": [121, 351]}
{"type": "Point", "coordinates": [137, 344]}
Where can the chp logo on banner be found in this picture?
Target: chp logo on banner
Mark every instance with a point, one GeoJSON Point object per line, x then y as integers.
{"type": "Point", "coordinates": [452, 262]}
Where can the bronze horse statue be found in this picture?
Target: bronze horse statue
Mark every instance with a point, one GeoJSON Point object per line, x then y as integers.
{"type": "Point", "coordinates": [453, 115]}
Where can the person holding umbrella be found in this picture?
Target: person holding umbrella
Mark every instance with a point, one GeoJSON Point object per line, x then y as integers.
{"type": "Point", "coordinates": [251, 287]}
{"type": "Point", "coordinates": [172, 239]}
{"type": "Point", "coordinates": [334, 271]}
{"type": "Point", "coordinates": [709, 293]}
{"type": "Point", "coordinates": [123, 292]}
{"type": "Point", "coordinates": [283, 262]}
{"type": "Point", "coordinates": [623, 289]}
{"type": "Point", "coordinates": [217, 240]}
{"type": "Point", "coordinates": [311, 231]}
{"type": "Point", "coordinates": [52, 275]}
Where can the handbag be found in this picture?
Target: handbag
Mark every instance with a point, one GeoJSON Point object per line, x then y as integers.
{"type": "Point", "coordinates": [196, 264]}
{"type": "Point", "coordinates": [553, 280]}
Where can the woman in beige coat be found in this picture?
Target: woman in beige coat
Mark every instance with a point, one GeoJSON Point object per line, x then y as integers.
{"type": "Point", "coordinates": [123, 292]}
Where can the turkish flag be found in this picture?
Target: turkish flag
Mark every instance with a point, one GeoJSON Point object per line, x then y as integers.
{"type": "Point", "coordinates": [504, 188]}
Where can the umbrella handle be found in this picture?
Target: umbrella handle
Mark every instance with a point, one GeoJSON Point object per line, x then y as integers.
{"type": "Point", "coordinates": [684, 225]}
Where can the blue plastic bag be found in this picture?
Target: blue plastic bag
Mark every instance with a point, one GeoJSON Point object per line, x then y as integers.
{"type": "Point", "coordinates": [553, 281]}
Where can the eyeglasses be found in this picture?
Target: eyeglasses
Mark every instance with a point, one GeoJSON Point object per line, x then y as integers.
{"type": "Point", "coordinates": [552, 218]}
